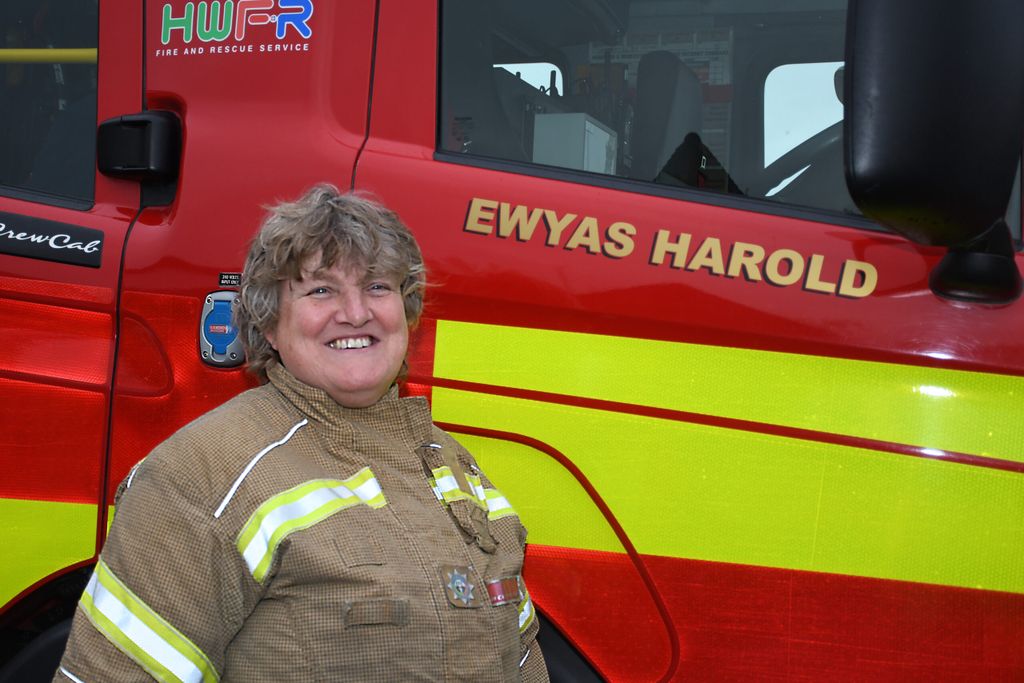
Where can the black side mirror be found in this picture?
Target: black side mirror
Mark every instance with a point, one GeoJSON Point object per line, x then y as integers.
{"type": "Point", "coordinates": [934, 114]}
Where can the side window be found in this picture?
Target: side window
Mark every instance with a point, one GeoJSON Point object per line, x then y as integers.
{"type": "Point", "coordinates": [678, 93]}
{"type": "Point", "coordinates": [544, 76]}
{"type": "Point", "coordinates": [801, 101]}
{"type": "Point", "coordinates": [48, 98]}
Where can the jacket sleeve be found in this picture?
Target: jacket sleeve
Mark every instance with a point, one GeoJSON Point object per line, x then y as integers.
{"type": "Point", "coordinates": [169, 590]}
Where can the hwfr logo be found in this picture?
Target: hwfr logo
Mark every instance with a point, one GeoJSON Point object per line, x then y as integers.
{"type": "Point", "coordinates": [213, 22]}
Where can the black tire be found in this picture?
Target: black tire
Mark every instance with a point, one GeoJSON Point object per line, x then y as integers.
{"type": "Point", "coordinates": [38, 661]}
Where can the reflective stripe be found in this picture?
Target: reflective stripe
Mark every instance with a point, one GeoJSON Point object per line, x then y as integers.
{"type": "Point", "coordinates": [142, 634]}
{"type": "Point", "coordinates": [131, 474]}
{"type": "Point", "coordinates": [790, 504]}
{"type": "Point", "coordinates": [526, 613]}
{"type": "Point", "coordinates": [299, 508]}
{"type": "Point", "coordinates": [445, 484]}
{"type": "Point", "coordinates": [41, 538]}
{"type": "Point", "coordinates": [76, 679]}
{"type": "Point", "coordinates": [252, 463]}
{"type": "Point", "coordinates": [478, 487]}
{"type": "Point", "coordinates": [498, 505]}
{"type": "Point", "coordinates": [956, 410]}
{"type": "Point", "coordinates": [446, 489]}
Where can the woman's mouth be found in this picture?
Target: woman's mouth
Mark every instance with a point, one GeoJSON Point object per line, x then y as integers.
{"type": "Point", "coordinates": [351, 343]}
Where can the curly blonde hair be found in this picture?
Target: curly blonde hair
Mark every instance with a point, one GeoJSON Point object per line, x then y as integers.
{"type": "Point", "coordinates": [340, 227]}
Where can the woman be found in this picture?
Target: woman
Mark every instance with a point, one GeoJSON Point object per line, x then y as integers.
{"type": "Point", "coordinates": [318, 527]}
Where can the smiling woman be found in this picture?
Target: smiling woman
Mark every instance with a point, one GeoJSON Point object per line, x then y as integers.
{"type": "Point", "coordinates": [318, 527]}
{"type": "Point", "coordinates": [342, 332]}
{"type": "Point", "coordinates": [332, 285]}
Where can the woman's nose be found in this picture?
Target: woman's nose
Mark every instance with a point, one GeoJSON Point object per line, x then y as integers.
{"type": "Point", "coordinates": [353, 309]}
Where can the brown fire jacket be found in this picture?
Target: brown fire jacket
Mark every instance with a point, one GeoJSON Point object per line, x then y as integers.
{"type": "Point", "coordinates": [282, 537]}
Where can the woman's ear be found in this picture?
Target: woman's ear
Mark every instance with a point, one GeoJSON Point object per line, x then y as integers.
{"type": "Point", "coordinates": [271, 337]}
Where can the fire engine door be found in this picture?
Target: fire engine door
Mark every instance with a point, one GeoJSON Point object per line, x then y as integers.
{"type": "Point", "coordinates": [64, 66]}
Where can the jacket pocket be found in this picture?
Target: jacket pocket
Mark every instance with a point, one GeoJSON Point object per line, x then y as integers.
{"type": "Point", "coordinates": [367, 551]}
{"type": "Point", "coordinates": [394, 612]}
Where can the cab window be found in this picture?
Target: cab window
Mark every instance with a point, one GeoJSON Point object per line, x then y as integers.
{"type": "Point", "coordinates": [544, 76]}
{"type": "Point", "coordinates": [800, 101]}
{"type": "Point", "coordinates": [48, 99]}
{"type": "Point", "coordinates": [727, 98]}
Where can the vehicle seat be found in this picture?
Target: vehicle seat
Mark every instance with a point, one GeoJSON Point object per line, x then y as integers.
{"type": "Point", "coordinates": [473, 118]}
{"type": "Point", "coordinates": [669, 106]}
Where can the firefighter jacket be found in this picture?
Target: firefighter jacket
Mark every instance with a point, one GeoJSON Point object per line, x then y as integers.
{"type": "Point", "coordinates": [282, 537]}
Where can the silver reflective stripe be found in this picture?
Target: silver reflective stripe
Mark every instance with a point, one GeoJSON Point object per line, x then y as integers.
{"type": "Point", "coordinates": [446, 489]}
{"type": "Point", "coordinates": [446, 482]}
{"type": "Point", "coordinates": [70, 675]}
{"type": "Point", "coordinates": [497, 504]}
{"type": "Point", "coordinates": [252, 463]}
{"type": "Point", "coordinates": [478, 487]}
{"type": "Point", "coordinates": [142, 634]}
{"type": "Point", "coordinates": [525, 611]}
{"type": "Point", "coordinates": [299, 508]}
{"type": "Point", "coordinates": [525, 657]}
{"type": "Point", "coordinates": [436, 490]}
{"type": "Point", "coordinates": [128, 484]}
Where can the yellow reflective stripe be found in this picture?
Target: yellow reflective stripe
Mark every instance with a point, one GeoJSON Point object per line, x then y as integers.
{"type": "Point", "coordinates": [142, 634]}
{"type": "Point", "coordinates": [969, 412]}
{"type": "Point", "coordinates": [726, 495]}
{"type": "Point", "coordinates": [497, 504]}
{"type": "Point", "coordinates": [447, 490]}
{"type": "Point", "coordinates": [300, 508]}
{"type": "Point", "coordinates": [526, 611]}
{"type": "Point", "coordinates": [444, 483]}
{"type": "Point", "coordinates": [478, 489]}
{"type": "Point", "coordinates": [40, 538]}
{"type": "Point", "coordinates": [435, 488]}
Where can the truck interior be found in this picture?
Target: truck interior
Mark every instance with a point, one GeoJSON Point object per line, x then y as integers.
{"type": "Point", "coordinates": [731, 97]}
{"type": "Point", "coordinates": [48, 103]}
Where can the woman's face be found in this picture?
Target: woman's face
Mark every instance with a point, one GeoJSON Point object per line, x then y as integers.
{"type": "Point", "coordinates": [342, 332]}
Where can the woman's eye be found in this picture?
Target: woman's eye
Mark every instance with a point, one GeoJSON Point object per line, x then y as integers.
{"type": "Point", "coordinates": [318, 290]}
{"type": "Point", "coordinates": [380, 287]}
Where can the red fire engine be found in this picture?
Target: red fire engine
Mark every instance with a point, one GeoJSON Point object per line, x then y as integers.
{"type": "Point", "coordinates": [762, 423]}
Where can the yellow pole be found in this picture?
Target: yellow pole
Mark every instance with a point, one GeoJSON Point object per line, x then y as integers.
{"type": "Point", "coordinates": [85, 55]}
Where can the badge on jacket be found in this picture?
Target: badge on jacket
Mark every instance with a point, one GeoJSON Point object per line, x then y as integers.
{"type": "Point", "coordinates": [504, 590]}
{"type": "Point", "coordinates": [460, 591]}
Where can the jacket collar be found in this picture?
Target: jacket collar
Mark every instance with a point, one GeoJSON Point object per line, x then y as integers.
{"type": "Point", "coordinates": [407, 419]}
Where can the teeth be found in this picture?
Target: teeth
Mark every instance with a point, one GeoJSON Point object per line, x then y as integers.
{"type": "Point", "coordinates": [350, 343]}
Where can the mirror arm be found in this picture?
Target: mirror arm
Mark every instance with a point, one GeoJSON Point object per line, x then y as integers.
{"type": "Point", "coordinates": [983, 270]}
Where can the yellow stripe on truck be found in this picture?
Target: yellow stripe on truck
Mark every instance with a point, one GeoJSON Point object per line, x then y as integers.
{"type": "Point", "coordinates": [968, 412]}
{"type": "Point", "coordinates": [549, 501]}
{"type": "Point", "coordinates": [693, 491]}
{"type": "Point", "coordinates": [40, 538]}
